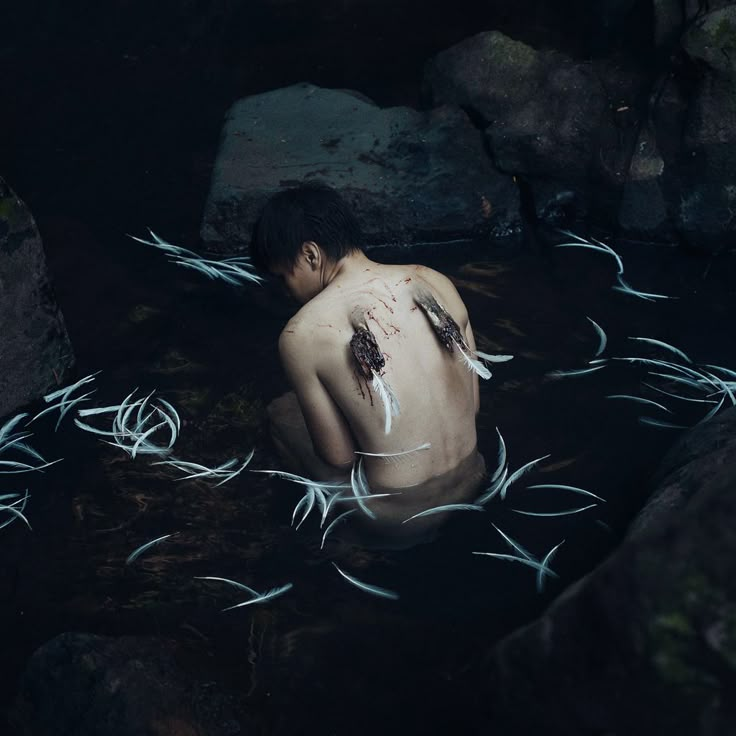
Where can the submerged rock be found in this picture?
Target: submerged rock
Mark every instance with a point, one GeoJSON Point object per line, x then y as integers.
{"type": "Point", "coordinates": [35, 352]}
{"type": "Point", "coordinates": [646, 643]}
{"type": "Point", "coordinates": [87, 685]}
{"type": "Point", "coordinates": [411, 176]}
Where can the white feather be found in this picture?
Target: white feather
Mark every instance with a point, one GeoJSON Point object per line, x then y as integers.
{"type": "Point", "coordinates": [492, 358]}
{"type": "Point", "coordinates": [602, 339]}
{"type": "Point", "coordinates": [474, 365]}
{"type": "Point", "coordinates": [390, 402]}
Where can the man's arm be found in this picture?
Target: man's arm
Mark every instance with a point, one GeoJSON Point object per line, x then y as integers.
{"type": "Point", "coordinates": [331, 437]}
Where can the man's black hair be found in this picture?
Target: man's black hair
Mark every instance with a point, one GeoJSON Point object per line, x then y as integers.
{"type": "Point", "coordinates": [308, 212]}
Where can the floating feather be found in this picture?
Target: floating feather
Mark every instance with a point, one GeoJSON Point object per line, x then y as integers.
{"type": "Point", "coordinates": [11, 507]}
{"type": "Point", "coordinates": [545, 566]}
{"type": "Point", "coordinates": [664, 345]}
{"type": "Point", "coordinates": [697, 385]}
{"type": "Point", "coordinates": [600, 248]}
{"type": "Point", "coordinates": [500, 458]}
{"type": "Point", "coordinates": [301, 503]}
{"type": "Point", "coordinates": [573, 489]}
{"type": "Point", "coordinates": [141, 441]}
{"type": "Point", "coordinates": [683, 369]}
{"type": "Point", "coordinates": [472, 364]}
{"type": "Point", "coordinates": [493, 489]}
{"type": "Point", "coordinates": [330, 501]}
{"type": "Point", "coordinates": [652, 422]}
{"type": "Point", "coordinates": [320, 499]}
{"type": "Point", "coordinates": [373, 589]}
{"type": "Point", "coordinates": [25, 467]}
{"type": "Point", "coordinates": [446, 507]}
{"type": "Point", "coordinates": [574, 372]}
{"type": "Point", "coordinates": [172, 413]}
{"type": "Point", "coordinates": [727, 371]}
{"type": "Point", "coordinates": [677, 396]}
{"type": "Point", "coordinates": [567, 512]}
{"type": "Point", "coordinates": [64, 392]}
{"type": "Point", "coordinates": [391, 406]}
{"type": "Point", "coordinates": [356, 483]}
{"type": "Point", "coordinates": [536, 565]}
{"type": "Point", "coordinates": [521, 471]}
{"type": "Point", "coordinates": [602, 339]}
{"type": "Point", "coordinates": [65, 405]}
{"type": "Point", "coordinates": [267, 596]}
{"type": "Point", "coordinates": [136, 553]}
{"type": "Point", "coordinates": [628, 289]}
{"type": "Point", "coordinates": [515, 545]}
{"type": "Point", "coordinates": [337, 520]}
{"type": "Point", "coordinates": [15, 441]}
{"type": "Point", "coordinates": [491, 358]}
{"type": "Point", "coordinates": [640, 400]}
{"type": "Point", "coordinates": [724, 386]}
{"type": "Point", "coordinates": [15, 512]}
{"type": "Point", "coordinates": [309, 499]}
{"type": "Point", "coordinates": [234, 583]}
{"type": "Point", "coordinates": [165, 246]}
{"type": "Point", "coordinates": [7, 428]}
{"type": "Point", "coordinates": [229, 476]}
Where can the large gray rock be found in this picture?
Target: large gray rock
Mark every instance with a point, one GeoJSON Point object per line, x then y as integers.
{"type": "Point", "coordinates": [547, 117]}
{"type": "Point", "coordinates": [646, 643]}
{"type": "Point", "coordinates": [541, 108]}
{"type": "Point", "coordinates": [87, 685]}
{"type": "Point", "coordinates": [410, 175]}
{"type": "Point", "coordinates": [35, 352]}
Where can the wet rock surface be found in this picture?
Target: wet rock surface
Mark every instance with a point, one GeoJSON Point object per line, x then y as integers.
{"type": "Point", "coordinates": [646, 643]}
{"type": "Point", "coordinates": [410, 175]}
{"type": "Point", "coordinates": [86, 685]}
{"type": "Point", "coordinates": [555, 122]}
{"type": "Point", "coordinates": [35, 352]}
{"type": "Point", "coordinates": [644, 149]}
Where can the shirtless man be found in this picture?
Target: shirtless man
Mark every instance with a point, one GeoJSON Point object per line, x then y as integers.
{"type": "Point", "coordinates": [308, 238]}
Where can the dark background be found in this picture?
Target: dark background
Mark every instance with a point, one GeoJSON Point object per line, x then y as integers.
{"type": "Point", "coordinates": [113, 109]}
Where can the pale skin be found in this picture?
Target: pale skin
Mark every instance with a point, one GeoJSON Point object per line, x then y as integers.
{"type": "Point", "coordinates": [341, 415]}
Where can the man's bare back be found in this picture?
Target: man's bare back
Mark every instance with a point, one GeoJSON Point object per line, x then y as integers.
{"type": "Point", "coordinates": [437, 394]}
{"type": "Point", "coordinates": [369, 336]}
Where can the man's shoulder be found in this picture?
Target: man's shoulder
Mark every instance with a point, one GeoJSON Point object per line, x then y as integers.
{"type": "Point", "coordinates": [306, 327]}
{"type": "Point", "coordinates": [442, 285]}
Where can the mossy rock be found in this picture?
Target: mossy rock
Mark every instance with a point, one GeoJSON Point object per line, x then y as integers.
{"type": "Point", "coordinates": [713, 40]}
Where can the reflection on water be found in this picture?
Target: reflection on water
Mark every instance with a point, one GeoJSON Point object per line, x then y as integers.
{"type": "Point", "coordinates": [325, 647]}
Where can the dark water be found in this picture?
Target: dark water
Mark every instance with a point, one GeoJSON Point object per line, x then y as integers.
{"type": "Point", "coordinates": [308, 661]}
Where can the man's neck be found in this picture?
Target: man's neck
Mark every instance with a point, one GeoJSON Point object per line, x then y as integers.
{"type": "Point", "coordinates": [347, 267]}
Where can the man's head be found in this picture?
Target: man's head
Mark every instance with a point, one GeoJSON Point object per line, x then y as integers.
{"type": "Point", "coordinates": [300, 228]}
